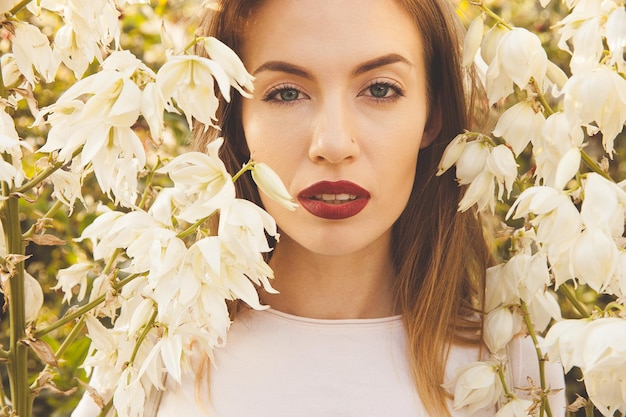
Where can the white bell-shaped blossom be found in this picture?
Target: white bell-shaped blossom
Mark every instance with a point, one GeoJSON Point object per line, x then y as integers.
{"type": "Point", "coordinates": [558, 225]}
{"type": "Point", "coordinates": [552, 150]}
{"type": "Point", "coordinates": [471, 162]}
{"type": "Point", "coordinates": [10, 71]}
{"type": "Point", "coordinates": [616, 37]}
{"type": "Point", "coordinates": [516, 407]}
{"type": "Point", "coordinates": [31, 49]}
{"type": "Point", "coordinates": [480, 192]}
{"type": "Point", "coordinates": [33, 297]}
{"type": "Point", "coordinates": [490, 42]}
{"type": "Point", "coordinates": [587, 46]}
{"type": "Point", "coordinates": [71, 277]}
{"type": "Point", "coordinates": [476, 386]}
{"type": "Point", "coordinates": [202, 182]}
{"type": "Point", "coordinates": [473, 39]}
{"type": "Point", "coordinates": [500, 326]}
{"type": "Point", "coordinates": [603, 362]}
{"type": "Point", "coordinates": [562, 342]}
{"type": "Point", "coordinates": [543, 307]}
{"type": "Point", "coordinates": [187, 81]}
{"type": "Point", "coordinates": [452, 153]}
{"type": "Point", "coordinates": [597, 96]}
{"type": "Point", "coordinates": [594, 258]}
{"type": "Point", "coordinates": [230, 62]}
{"type": "Point", "coordinates": [501, 163]}
{"type": "Point", "coordinates": [270, 184]}
{"type": "Point", "coordinates": [10, 143]}
{"type": "Point", "coordinates": [519, 125]}
{"type": "Point", "coordinates": [519, 57]}
{"type": "Point", "coordinates": [603, 205]}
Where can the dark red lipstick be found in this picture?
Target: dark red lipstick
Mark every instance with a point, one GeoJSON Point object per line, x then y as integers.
{"type": "Point", "coordinates": [334, 200]}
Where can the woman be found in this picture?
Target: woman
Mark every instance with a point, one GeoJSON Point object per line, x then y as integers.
{"type": "Point", "coordinates": [380, 278]}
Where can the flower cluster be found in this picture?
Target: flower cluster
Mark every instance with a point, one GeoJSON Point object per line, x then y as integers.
{"type": "Point", "coordinates": [567, 213]}
{"type": "Point", "coordinates": [172, 246]}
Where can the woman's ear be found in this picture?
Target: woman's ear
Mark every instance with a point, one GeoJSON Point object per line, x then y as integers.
{"type": "Point", "coordinates": [433, 126]}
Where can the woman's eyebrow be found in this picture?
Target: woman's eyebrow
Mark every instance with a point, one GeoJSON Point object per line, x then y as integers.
{"type": "Point", "coordinates": [380, 62]}
{"type": "Point", "coordinates": [282, 66]}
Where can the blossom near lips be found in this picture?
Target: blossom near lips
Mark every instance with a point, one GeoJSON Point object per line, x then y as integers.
{"type": "Point", "coordinates": [334, 200]}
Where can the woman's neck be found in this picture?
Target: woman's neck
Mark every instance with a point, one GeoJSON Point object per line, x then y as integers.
{"type": "Point", "coordinates": [358, 285]}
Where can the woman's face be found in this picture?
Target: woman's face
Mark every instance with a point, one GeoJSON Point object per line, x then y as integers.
{"type": "Point", "coordinates": [340, 112]}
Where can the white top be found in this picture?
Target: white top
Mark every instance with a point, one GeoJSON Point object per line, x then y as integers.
{"type": "Point", "coordinates": [278, 365]}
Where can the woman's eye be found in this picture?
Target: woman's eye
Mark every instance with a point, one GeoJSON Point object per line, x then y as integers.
{"type": "Point", "coordinates": [379, 90]}
{"type": "Point", "coordinates": [284, 95]}
{"type": "Point", "coordinates": [383, 91]}
{"type": "Point", "coordinates": [288, 94]}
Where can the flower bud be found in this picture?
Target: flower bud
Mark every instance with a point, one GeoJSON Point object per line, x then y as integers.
{"type": "Point", "coordinates": [271, 185]}
{"type": "Point", "coordinates": [33, 295]}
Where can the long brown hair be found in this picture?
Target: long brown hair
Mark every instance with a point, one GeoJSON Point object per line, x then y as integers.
{"type": "Point", "coordinates": [440, 254]}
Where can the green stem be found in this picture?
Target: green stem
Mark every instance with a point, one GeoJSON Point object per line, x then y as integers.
{"type": "Point", "coordinates": [593, 165]}
{"type": "Point", "coordinates": [589, 409]}
{"type": "Point", "coordinates": [49, 214]}
{"type": "Point", "coordinates": [18, 352]}
{"type": "Point", "coordinates": [19, 6]}
{"type": "Point", "coordinates": [3, 90]}
{"type": "Point", "coordinates": [494, 15]}
{"type": "Point", "coordinates": [149, 179]}
{"type": "Point", "coordinates": [143, 334]}
{"type": "Point", "coordinates": [43, 175]}
{"type": "Point", "coordinates": [541, 97]}
{"type": "Point", "coordinates": [82, 310]}
{"type": "Point", "coordinates": [571, 296]}
{"type": "Point", "coordinates": [507, 393]}
{"type": "Point", "coordinates": [545, 404]}
{"type": "Point", "coordinates": [248, 166]}
{"type": "Point", "coordinates": [76, 331]}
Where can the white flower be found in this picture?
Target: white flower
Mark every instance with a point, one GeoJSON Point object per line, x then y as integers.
{"type": "Point", "coordinates": [75, 275]}
{"type": "Point", "coordinates": [594, 258]}
{"type": "Point", "coordinates": [33, 296]}
{"type": "Point", "coordinates": [562, 342]}
{"type": "Point", "coordinates": [472, 159]}
{"type": "Point", "coordinates": [616, 37]}
{"type": "Point", "coordinates": [599, 96]}
{"type": "Point", "coordinates": [603, 205]}
{"type": "Point", "coordinates": [203, 185]}
{"type": "Point", "coordinates": [129, 397]}
{"type": "Point", "coordinates": [501, 163]}
{"type": "Point", "coordinates": [67, 187]}
{"type": "Point", "coordinates": [588, 46]}
{"type": "Point", "coordinates": [542, 309]}
{"type": "Point", "coordinates": [556, 150]}
{"type": "Point", "coordinates": [270, 184]}
{"type": "Point", "coordinates": [603, 362]}
{"type": "Point", "coordinates": [188, 81]}
{"type": "Point", "coordinates": [515, 408]}
{"type": "Point", "coordinates": [490, 42]}
{"type": "Point", "coordinates": [152, 108]}
{"type": "Point", "coordinates": [230, 62]}
{"type": "Point", "coordinates": [10, 71]}
{"type": "Point", "coordinates": [452, 153]}
{"type": "Point", "coordinates": [31, 49]}
{"type": "Point", "coordinates": [519, 57]}
{"type": "Point", "coordinates": [481, 192]}
{"type": "Point", "coordinates": [473, 39]}
{"type": "Point", "coordinates": [476, 386]}
{"type": "Point", "coordinates": [501, 325]}
{"type": "Point", "coordinates": [558, 225]}
{"type": "Point", "coordinates": [11, 144]}
{"type": "Point", "coordinates": [519, 125]}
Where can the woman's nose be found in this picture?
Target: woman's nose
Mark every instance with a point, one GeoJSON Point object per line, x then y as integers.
{"type": "Point", "coordinates": [334, 134]}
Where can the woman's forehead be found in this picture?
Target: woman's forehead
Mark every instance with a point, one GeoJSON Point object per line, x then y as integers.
{"type": "Point", "coordinates": [329, 31]}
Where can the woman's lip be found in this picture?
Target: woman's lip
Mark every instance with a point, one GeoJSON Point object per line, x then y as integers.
{"type": "Point", "coordinates": [334, 200]}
